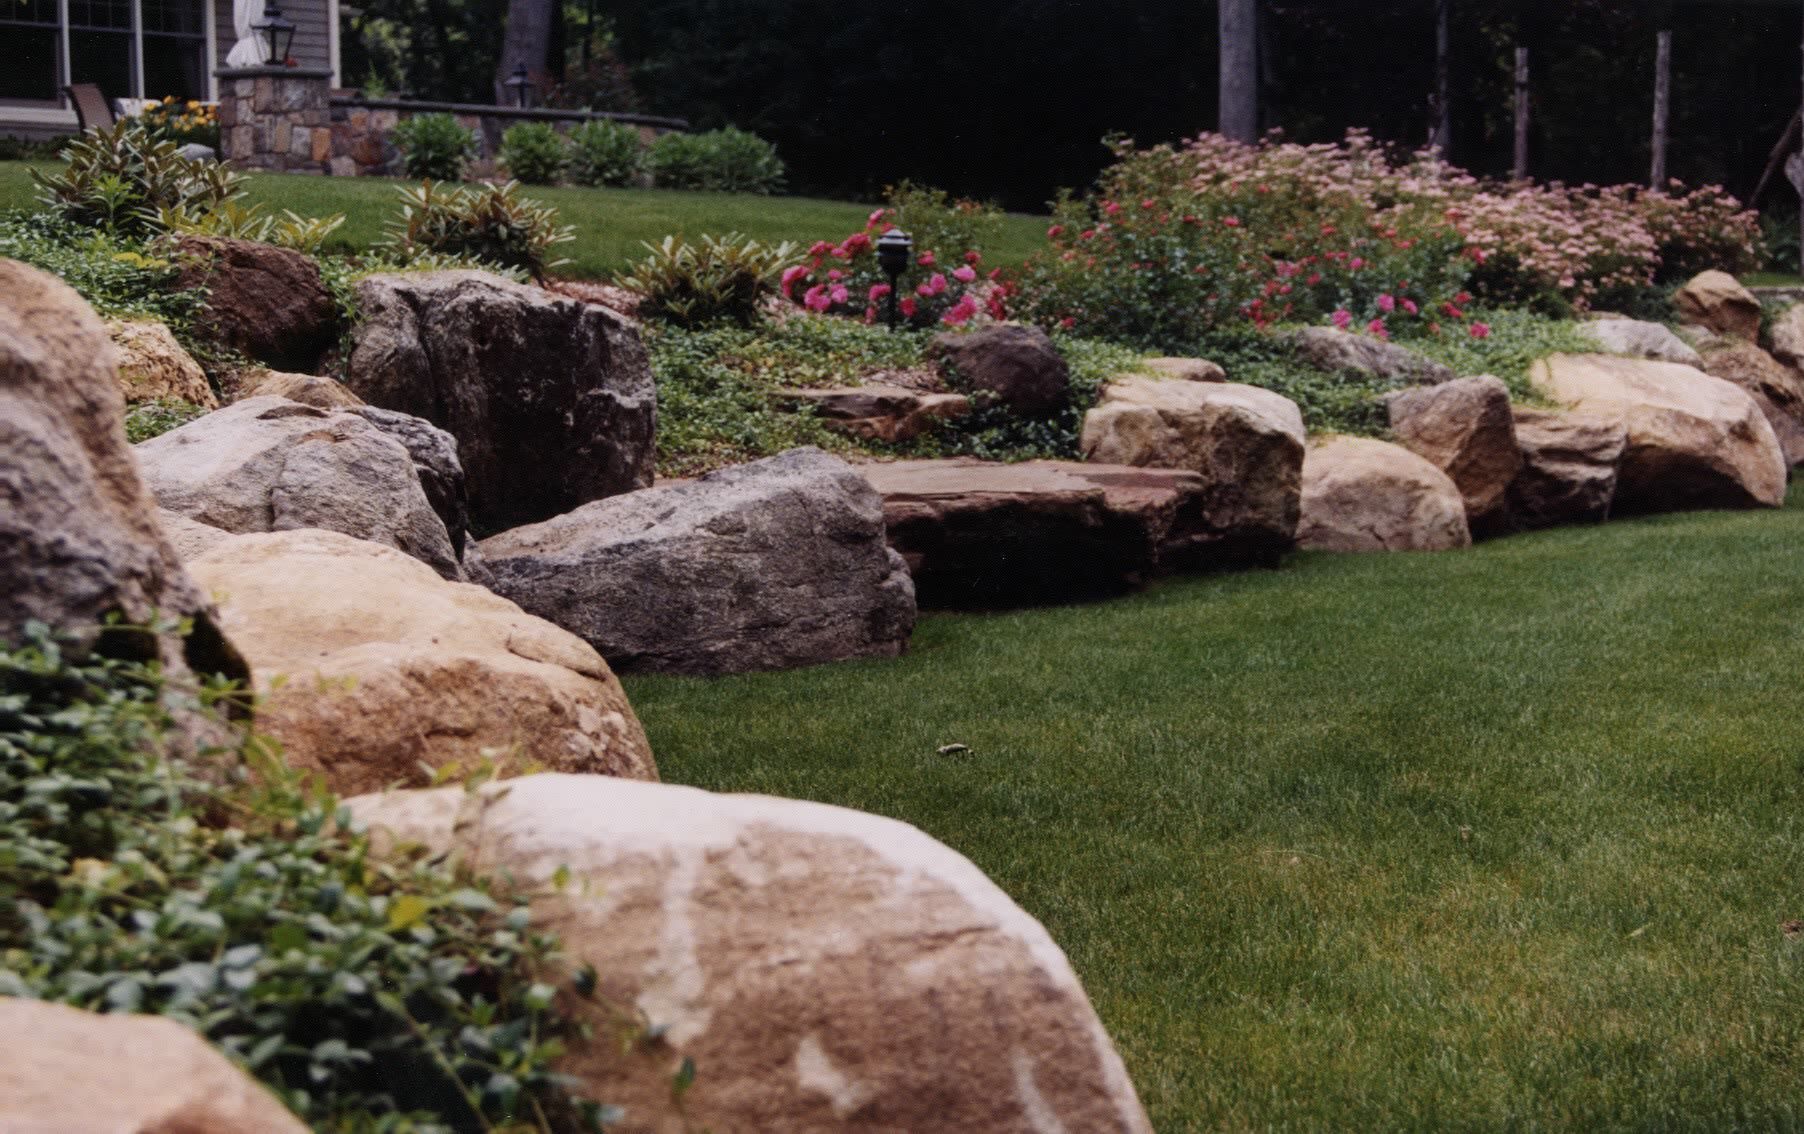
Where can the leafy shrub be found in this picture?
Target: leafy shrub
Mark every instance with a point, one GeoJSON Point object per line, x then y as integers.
{"type": "Point", "coordinates": [936, 220]}
{"type": "Point", "coordinates": [490, 223]}
{"type": "Point", "coordinates": [231, 218]}
{"type": "Point", "coordinates": [120, 178]}
{"type": "Point", "coordinates": [727, 160]}
{"type": "Point", "coordinates": [369, 993]}
{"type": "Point", "coordinates": [678, 161]}
{"type": "Point", "coordinates": [26, 149]}
{"type": "Point", "coordinates": [184, 123]}
{"type": "Point", "coordinates": [605, 152]}
{"type": "Point", "coordinates": [533, 152]}
{"type": "Point", "coordinates": [718, 279]}
{"type": "Point", "coordinates": [157, 417]}
{"type": "Point", "coordinates": [118, 276]}
{"type": "Point", "coordinates": [434, 147]}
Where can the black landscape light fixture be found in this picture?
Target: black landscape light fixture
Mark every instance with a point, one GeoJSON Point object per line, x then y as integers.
{"type": "Point", "coordinates": [893, 249]}
{"type": "Point", "coordinates": [521, 85]}
{"type": "Point", "coordinates": [277, 34]}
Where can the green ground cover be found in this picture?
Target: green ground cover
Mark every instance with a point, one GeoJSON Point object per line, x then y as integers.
{"type": "Point", "coordinates": [1500, 839]}
{"type": "Point", "coordinates": [610, 223]}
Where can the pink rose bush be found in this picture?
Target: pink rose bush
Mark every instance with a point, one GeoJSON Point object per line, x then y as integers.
{"type": "Point", "coordinates": [843, 279]}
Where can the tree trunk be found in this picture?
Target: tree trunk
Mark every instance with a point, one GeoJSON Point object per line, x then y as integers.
{"type": "Point", "coordinates": [1440, 134]}
{"type": "Point", "coordinates": [1239, 20]}
{"type": "Point", "coordinates": [1519, 167]}
{"type": "Point", "coordinates": [526, 44]}
{"type": "Point", "coordinates": [1662, 105]}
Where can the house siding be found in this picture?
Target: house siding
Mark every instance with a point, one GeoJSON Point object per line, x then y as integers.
{"type": "Point", "coordinates": [312, 40]}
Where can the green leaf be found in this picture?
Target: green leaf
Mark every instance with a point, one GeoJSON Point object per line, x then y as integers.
{"type": "Point", "coordinates": [407, 911]}
{"type": "Point", "coordinates": [683, 1079]}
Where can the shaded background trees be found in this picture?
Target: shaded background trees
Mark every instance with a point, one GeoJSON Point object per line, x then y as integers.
{"type": "Point", "coordinates": [1008, 100]}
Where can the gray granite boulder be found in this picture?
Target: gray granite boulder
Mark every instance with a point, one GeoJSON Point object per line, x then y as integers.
{"type": "Point", "coordinates": [1639, 339]}
{"type": "Point", "coordinates": [768, 565]}
{"type": "Point", "coordinates": [269, 465]}
{"type": "Point", "coordinates": [1568, 473]}
{"type": "Point", "coordinates": [550, 399]}
{"type": "Point", "coordinates": [1328, 349]}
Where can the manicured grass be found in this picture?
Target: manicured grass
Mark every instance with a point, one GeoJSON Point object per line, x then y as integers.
{"type": "Point", "coordinates": [610, 223]}
{"type": "Point", "coordinates": [1500, 839]}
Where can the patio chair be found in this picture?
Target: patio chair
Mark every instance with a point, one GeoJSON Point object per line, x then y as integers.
{"type": "Point", "coordinates": [91, 107]}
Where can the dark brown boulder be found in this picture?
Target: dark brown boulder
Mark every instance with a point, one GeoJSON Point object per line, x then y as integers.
{"type": "Point", "coordinates": [78, 533]}
{"type": "Point", "coordinates": [550, 399]}
{"type": "Point", "coordinates": [270, 303]}
{"type": "Point", "coordinates": [1016, 366]}
{"type": "Point", "coordinates": [769, 565]}
{"type": "Point", "coordinates": [1568, 473]}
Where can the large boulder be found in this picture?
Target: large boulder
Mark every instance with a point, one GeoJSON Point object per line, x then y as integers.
{"type": "Point", "coordinates": [66, 1071]}
{"type": "Point", "coordinates": [154, 367]}
{"type": "Point", "coordinates": [1016, 366]}
{"type": "Point", "coordinates": [1777, 389]}
{"type": "Point", "coordinates": [1716, 300]}
{"type": "Point", "coordinates": [826, 970]}
{"type": "Point", "coordinates": [1247, 444]}
{"type": "Point", "coordinates": [371, 667]}
{"type": "Point", "coordinates": [878, 412]}
{"type": "Point", "coordinates": [435, 461]}
{"type": "Point", "coordinates": [1788, 336]}
{"type": "Point", "coordinates": [270, 303]}
{"type": "Point", "coordinates": [1694, 441]}
{"type": "Point", "coordinates": [78, 533]}
{"type": "Point", "coordinates": [1464, 429]}
{"type": "Point", "coordinates": [768, 565]}
{"type": "Point", "coordinates": [1569, 463]}
{"type": "Point", "coordinates": [1331, 350]}
{"type": "Point", "coordinates": [1366, 495]}
{"type": "Point", "coordinates": [1639, 339]}
{"type": "Point", "coordinates": [268, 464]}
{"type": "Point", "coordinates": [550, 399]}
{"type": "Point", "coordinates": [1186, 369]}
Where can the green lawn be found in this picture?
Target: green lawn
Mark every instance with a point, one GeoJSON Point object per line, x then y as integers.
{"type": "Point", "coordinates": [610, 223]}
{"type": "Point", "coordinates": [1499, 839]}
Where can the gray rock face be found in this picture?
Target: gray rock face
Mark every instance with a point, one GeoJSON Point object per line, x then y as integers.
{"type": "Point", "coordinates": [270, 465]}
{"type": "Point", "coordinates": [1017, 366]}
{"type": "Point", "coordinates": [78, 533]}
{"type": "Point", "coordinates": [769, 565]}
{"type": "Point", "coordinates": [550, 399]}
{"type": "Point", "coordinates": [1568, 468]}
{"type": "Point", "coordinates": [1640, 340]}
{"type": "Point", "coordinates": [434, 455]}
{"type": "Point", "coordinates": [1463, 428]}
{"type": "Point", "coordinates": [1328, 349]}
{"type": "Point", "coordinates": [879, 412]}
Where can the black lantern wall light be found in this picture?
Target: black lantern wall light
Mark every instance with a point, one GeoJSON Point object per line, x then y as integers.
{"type": "Point", "coordinates": [893, 249]}
{"type": "Point", "coordinates": [277, 35]}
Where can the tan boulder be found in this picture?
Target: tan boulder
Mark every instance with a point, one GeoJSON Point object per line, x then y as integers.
{"type": "Point", "coordinates": [1187, 369]}
{"type": "Point", "coordinates": [1568, 472]}
{"type": "Point", "coordinates": [1464, 429]}
{"type": "Point", "coordinates": [189, 537]}
{"type": "Point", "coordinates": [1718, 301]}
{"type": "Point", "coordinates": [66, 1071]}
{"type": "Point", "coordinates": [826, 970]}
{"type": "Point", "coordinates": [1366, 495]}
{"type": "Point", "coordinates": [1777, 389]}
{"type": "Point", "coordinates": [1694, 441]}
{"type": "Point", "coordinates": [1246, 442]}
{"type": "Point", "coordinates": [153, 366]}
{"type": "Point", "coordinates": [307, 389]}
{"type": "Point", "coordinates": [371, 665]}
{"type": "Point", "coordinates": [878, 412]}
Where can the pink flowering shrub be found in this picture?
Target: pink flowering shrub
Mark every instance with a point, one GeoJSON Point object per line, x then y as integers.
{"type": "Point", "coordinates": [1181, 242]}
{"type": "Point", "coordinates": [937, 289]}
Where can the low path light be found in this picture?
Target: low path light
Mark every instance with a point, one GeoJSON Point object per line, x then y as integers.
{"type": "Point", "coordinates": [893, 249]}
{"type": "Point", "coordinates": [521, 85]}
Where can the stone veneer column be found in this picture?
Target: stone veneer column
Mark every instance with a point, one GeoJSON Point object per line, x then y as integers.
{"type": "Point", "coordinates": [276, 118]}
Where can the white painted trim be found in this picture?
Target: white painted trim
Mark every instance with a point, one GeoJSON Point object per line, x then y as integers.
{"type": "Point", "coordinates": [137, 49]}
{"type": "Point", "coordinates": [62, 27]}
{"type": "Point", "coordinates": [332, 40]}
{"type": "Point", "coordinates": [211, 24]}
{"type": "Point", "coordinates": [38, 116]}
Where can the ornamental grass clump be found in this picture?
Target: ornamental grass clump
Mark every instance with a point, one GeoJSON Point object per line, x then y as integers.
{"type": "Point", "coordinates": [722, 279]}
{"type": "Point", "coordinates": [492, 224]}
{"type": "Point", "coordinates": [123, 177]}
{"type": "Point", "coordinates": [395, 993]}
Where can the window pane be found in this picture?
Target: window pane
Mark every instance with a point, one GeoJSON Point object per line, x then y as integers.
{"type": "Point", "coordinates": [27, 63]}
{"type": "Point", "coordinates": [186, 17]}
{"type": "Point", "coordinates": [172, 66]}
{"type": "Point", "coordinates": [27, 12]}
{"type": "Point", "coordinates": [100, 14]}
{"type": "Point", "coordinates": [102, 58]}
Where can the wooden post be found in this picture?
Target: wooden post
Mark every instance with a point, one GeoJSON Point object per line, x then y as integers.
{"type": "Point", "coordinates": [1519, 168]}
{"type": "Point", "coordinates": [1662, 106]}
{"type": "Point", "coordinates": [1238, 21]}
{"type": "Point", "coordinates": [1440, 134]}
